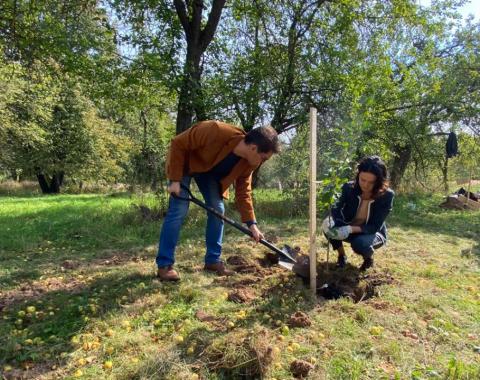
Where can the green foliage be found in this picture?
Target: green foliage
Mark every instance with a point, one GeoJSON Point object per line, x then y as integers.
{"type": "Point", "coordinates": [51, 126]}
{"type": "Point", "coordinates": [26, 104]}
{"type": "Point", "coordinates": [385, 76]}
{"type": "Point", "coordinates": [290, 170]}
{"type": "Point", "coordinates": [466, 165]}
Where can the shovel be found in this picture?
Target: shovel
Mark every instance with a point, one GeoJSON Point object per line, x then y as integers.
{"type": "Point", "coordinates": [285, 255]}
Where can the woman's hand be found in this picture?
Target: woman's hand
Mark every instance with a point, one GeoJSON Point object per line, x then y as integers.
{"type": "Point", "coordinates": [339, 233]}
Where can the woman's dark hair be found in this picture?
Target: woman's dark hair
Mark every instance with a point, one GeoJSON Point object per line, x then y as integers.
{"type": "Point", "coordinates": [374, 165]}
{"type": "Point", "coordinates": [265, 138]}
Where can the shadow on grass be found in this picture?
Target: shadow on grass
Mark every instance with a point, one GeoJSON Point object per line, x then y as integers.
{"type": "Point", "coordinates": [20, 272]}
{"type": "Point", "coordinates": [62, 313]}
{"type": "Point", "coordinates": [473, 252]}
{"type": "Point", "coordinates": [18, 275]}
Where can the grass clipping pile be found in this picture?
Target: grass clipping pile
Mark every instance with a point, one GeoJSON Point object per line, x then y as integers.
{"type": "Point", "coordinates": [242, 354]}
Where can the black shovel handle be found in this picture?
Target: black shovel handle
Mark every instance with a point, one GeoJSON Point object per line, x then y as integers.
{"type": "Point", "coordinates": [232, 222]}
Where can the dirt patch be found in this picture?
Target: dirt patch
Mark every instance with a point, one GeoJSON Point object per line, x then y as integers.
{"type": "Point", "coordinates": [241, 265]}
{"type": "Point", "coordinates": [237, 260]}
{"type": "Point", "coordinates": [367, 286]}
{"type": "Point", "coordinates": [241, 295]}
{"type": "Point", "coordinates": [69, 264]}
{"type": "Point", "coordinates": [203, 316]}
{"type": "Point", "coordinates": [269, 259]}
{"type": "Point", "coordinates": [379, 304]}
{"type": "Point", "coordinates": [410, 334]}
{"type": "Point", "coordinates": [33, 370]}
{"type": "Point", "coordinates": [333, 283]}
{"type": "Point", "coordinates": [378, 278]}
{"type": "Point", "coordinates": [300, 368]}
{"type": "Point", "coordinates": [218, 323]}
{"type": "Point", "coordinates": [299, 319]}
{"type": "Point", "coordinates": [297, 251]}
{"type": "Point", "coordinates": [248, 281]}
{"type": "Point", "coordinates": [251, 268]}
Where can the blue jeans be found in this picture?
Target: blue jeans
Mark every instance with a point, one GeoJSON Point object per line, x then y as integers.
{"type": "Point", "coordinates": [177, 211]}
{"type": "Point", "coordinates": [362, 244]}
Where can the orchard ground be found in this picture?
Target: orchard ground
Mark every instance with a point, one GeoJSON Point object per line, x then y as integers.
{"type": "Point", "coordinates": [79, 299]}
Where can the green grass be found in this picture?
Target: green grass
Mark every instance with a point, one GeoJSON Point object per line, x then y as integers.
{"type": "Point", "coordinates": [77, 290]}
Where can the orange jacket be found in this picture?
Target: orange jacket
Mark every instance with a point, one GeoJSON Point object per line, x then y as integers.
{"type": "Point", "coordinates": [204, 145]}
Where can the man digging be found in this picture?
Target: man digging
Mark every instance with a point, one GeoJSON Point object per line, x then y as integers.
{"type": "Point", "coordinates": [216, 155]}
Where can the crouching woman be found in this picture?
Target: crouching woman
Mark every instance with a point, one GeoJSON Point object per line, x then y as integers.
{"type": "Point", "coordinates": [358, 217]}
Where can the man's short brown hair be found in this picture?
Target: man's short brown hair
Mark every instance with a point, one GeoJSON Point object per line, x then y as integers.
{"type": "Point", "coordinates": [265, 138]}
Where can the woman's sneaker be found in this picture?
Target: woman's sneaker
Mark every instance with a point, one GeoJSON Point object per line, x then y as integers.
{"type": "Point", "coordinates": [367, 263]}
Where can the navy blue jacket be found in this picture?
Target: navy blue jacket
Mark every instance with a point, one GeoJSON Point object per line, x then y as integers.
{"type": "Point", "coordinates": [345, 209]}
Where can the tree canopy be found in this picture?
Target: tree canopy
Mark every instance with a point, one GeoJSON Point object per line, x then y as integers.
{"type": "Point", "coordinates": [94, 90]}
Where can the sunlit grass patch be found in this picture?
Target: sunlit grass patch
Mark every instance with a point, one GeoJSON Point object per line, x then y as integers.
{"type": "Point", "coordinates": [86, 265]}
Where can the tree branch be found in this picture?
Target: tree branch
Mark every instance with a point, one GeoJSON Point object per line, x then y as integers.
{"type": "Point", "coordinates": [182, 15]}
{"type": "Point", "coordinates": [212, 23]}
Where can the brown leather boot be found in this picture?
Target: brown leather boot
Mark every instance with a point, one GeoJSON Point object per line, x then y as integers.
{"type": "Point", "coordinates": [218, 268]}
{"type": "Point", "coordinates": [167, 274]}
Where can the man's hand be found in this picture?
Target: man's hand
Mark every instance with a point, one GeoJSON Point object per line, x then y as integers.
{"type": "Point", "coordinates": [174, 188]}
{"type": "Point", "coordinates": [256, 234]}
{"type": "Point", "coordinates": [339, 233]}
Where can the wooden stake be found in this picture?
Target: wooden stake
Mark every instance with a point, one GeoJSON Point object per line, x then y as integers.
{"type": "Point", "coordinates": [313, 200]}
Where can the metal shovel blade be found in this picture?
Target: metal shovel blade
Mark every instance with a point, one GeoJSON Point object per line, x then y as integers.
{"type": "Point", "coordinates": [301, 266]}
{"type": "Point", "coordinates": [286, 265]}
{"type": "Point", "coordinates": [288, 253]}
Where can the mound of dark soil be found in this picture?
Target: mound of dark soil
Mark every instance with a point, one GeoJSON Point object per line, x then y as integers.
{"type": "Point", "coordinates": [241, 295]}
{"type": "Point", "coordinates": [299, 319]}
{"type": "Point", "coordinates": [300, 368]}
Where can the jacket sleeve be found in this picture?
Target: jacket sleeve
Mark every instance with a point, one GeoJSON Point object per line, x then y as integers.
{"type": "Point", "coordinates": [337, 207]}
{"type": "Point", "coordinates": [376, 221]}
{"type": "Point", "coordinates": [243, 198]}
{"type": "Point", "coordinates": [197, 137]}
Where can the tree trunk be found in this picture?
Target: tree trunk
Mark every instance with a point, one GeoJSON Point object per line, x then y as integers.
{"type": "Point", "coordinates": [190, 102]}
{"type": "Point", "coordinates": [400, 163]}
{"type": "Point", "coordinates": [42, 181]}
{"type": "Point", "coordinates": [14, 174]}
{"type": "Point", "coordinates": [190, 99]}
{"type": "Point", "coordinates": [55, 183]}
{"type": "Point", "coordinates": [445, 175]}
{"type": "Point", "coordinates": [282, 108]}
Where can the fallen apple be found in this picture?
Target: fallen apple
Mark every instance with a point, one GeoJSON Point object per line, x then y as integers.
{"type": "Point", "coordinates": [376, 330]}
{"type": "Point", "coordinates": [108, 364]}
